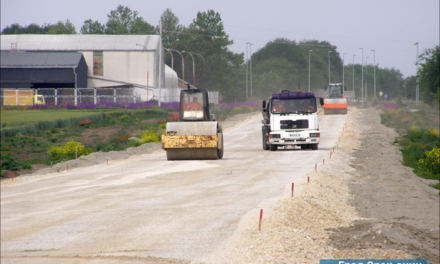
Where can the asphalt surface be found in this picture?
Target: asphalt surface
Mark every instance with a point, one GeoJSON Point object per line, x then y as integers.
{"type": "Point", "coordinates": [147, 206]}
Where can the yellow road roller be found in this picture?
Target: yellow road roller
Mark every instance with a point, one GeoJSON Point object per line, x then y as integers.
{"type": "Point", "coordinates": [197, 135]}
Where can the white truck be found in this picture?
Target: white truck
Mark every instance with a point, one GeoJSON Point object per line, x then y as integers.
{"type": "Point", "coordinates": [290, 119]}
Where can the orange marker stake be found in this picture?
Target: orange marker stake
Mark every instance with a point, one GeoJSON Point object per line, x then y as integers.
{"type": "Point", "coordinates": [137, 151]}
{"type": "Point", "coordinates": [261, 219]}
{"type": "Point", "coordinates": [308, 179]}
{"type": "Point", "coordinates": [323, 161]}
{"type": "Point", "coordinates": [316, 167]}
{"type": "Point", "coordinates": [13, 177]}
{"type": "Point", "coordinates": [67, 167]}
{"type": "Point", "coordinates": [293, 185]}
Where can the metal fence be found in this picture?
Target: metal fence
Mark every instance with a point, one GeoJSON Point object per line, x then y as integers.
{"type": "Point", "coordinates": [71, 95]}
{"type": "Point", "coordinates": [93, 95]}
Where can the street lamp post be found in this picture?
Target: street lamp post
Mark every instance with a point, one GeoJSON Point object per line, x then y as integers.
{"type": "Point", "coordinates": [343, 72]}
{"type": "Point", "coordinates": [374, 69]}
{"type": "Point", "coordinates": [362, 77]}
{"type": "Point", "coordinates": [200, 57]}
{"type": "Point", "coordinates": [194, 69]}
{"type": "Point", "coordinates": [250, 61]}
{"type": "Point", "coordinates": [172, 67]}
{"type": "Point", "coordinates": [247, 69]}
{"type": "Point", "coordinates": [329, 66]}
{"type": "Point", "coordinates": [183, 66]}
{"type": "Point", "coordinates": [353, 71]}
{"type": "Point", "coordinates": [417, 72]}
{"type": "Point", "coordinates": [309, 68]}
{"type": "Point", "coordinates": [366, 78]}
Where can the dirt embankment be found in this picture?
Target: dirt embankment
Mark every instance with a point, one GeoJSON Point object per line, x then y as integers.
{"type": "Point", "coordinates": [403, 209]}
{"type": "Point", "coordinates": [363, 203]}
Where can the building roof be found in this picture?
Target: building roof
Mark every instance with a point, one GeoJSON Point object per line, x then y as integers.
{"type": "Point", "coordinates": [40, 59]}
{"type": "Point", "coordinates": [79, 42]}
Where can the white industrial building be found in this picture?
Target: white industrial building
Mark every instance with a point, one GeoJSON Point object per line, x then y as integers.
{"type": "Point", "coordinates": [135, 61]}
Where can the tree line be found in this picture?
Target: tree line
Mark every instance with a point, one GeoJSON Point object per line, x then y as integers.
{"type": "Point", "coordinates": [282, 64]}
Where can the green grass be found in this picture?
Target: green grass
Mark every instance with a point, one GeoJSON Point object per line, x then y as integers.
{"type": "Point", "coordinates": [14, 122]}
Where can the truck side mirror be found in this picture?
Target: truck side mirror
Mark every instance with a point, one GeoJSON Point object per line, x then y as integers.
{"type": "Point", "coordinates": [321, 100]}
{"type": "Point", "coordinates": [264, 105]}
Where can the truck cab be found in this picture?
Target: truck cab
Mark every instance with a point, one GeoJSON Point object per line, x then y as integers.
{"type": "Point", "coordinates": [290, 119]}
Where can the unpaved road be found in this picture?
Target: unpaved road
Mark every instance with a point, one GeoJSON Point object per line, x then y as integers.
{"type": "Point", "coordinates": [147, 206]}
{"type": "Point", "coordinates": [361, 203]}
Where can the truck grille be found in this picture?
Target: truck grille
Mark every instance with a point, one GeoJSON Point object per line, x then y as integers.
{"type": "Point", "coordinates": [290, 124]}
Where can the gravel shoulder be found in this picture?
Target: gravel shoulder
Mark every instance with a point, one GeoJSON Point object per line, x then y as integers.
{"type": "Point", "coordinates": [362, 203]}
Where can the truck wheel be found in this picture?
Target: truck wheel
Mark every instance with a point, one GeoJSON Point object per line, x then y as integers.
{"type": "Point", "coordinates": [273, 147]}
{"type": "Point", "coordinates": [220, 150]}
{"type": "Point", "coordinates": [265, 145]}
{"type": "Point", "coordinates": [314, 146]}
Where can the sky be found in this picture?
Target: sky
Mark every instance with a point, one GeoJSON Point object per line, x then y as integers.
{"type": "Point", "coordinates": [390, 27]}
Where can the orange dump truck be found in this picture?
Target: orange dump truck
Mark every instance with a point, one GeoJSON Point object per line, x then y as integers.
{"type": "Point", "coordinates": [335, 102]}
{"type": "Point", "coordinates": [22, 97]}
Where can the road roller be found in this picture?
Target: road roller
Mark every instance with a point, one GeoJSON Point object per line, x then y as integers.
{"type": "Point", "coordinates": [196, 135]}
{"type": "Point", "coordinates": [335, 103]}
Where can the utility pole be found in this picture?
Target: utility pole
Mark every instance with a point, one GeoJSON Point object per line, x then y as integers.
{"type": "Point", "coordinates": [374, 69]}
{"type": "Point", "coordinates": [417, 72]}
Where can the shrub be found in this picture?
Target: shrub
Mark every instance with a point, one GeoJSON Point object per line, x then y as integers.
{"type": "Point", "coordinates": [68, 150]}
{"type": "Point", "coordinates": [9, 163]}
{"type": "Point", "coordinates": [149, 136]}
{"type": "Point", "coordinates": [405, 142]}
{"type": "Point", "coordinates": [431, 162]}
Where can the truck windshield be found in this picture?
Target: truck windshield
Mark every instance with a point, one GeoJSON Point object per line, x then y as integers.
{"type": "Point", "coordinates": [306, 105]}
{"type": "Point", "coordinates": [192, 106]}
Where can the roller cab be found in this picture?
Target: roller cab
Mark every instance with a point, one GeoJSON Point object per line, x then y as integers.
{"type": "Point", "coordinates": [197, 136]}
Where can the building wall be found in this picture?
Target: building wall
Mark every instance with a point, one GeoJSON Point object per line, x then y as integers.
{"type": "Point", "coordinates": [124, 67]}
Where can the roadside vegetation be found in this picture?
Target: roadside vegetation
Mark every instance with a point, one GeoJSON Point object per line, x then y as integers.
{"type": "Point", "coordinates": [419, 137]}
{"type": "Point", "coordinates": [49, 135]}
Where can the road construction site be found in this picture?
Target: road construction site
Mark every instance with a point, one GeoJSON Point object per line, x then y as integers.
{"type": "Point", "coordinates": [141, 208]}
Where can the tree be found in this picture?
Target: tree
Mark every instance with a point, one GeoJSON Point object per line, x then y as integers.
{"type": "Point", "coordinates": [220, 70]}
{"type": "Point", "coordinates": [30, 29]}
{"type": "Point", "coordinates": [62, 28]}
{"type": "Point", "coordinates": [290, 62]}
{"type": "Point", "coordinates": [211, 26]}
{"type": "Point", "coordinates": [123, 21]}
{"type": "Point", "coordinates": [91, 27]}
{"type": "Point", "coordinates": [429, 72]}
{"type": "Point", "coordinates": [140, 26]}
{"type": "Point", "coordinates": [170, 28]}
{"type": "Point", "coordinates": [410, 87]}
